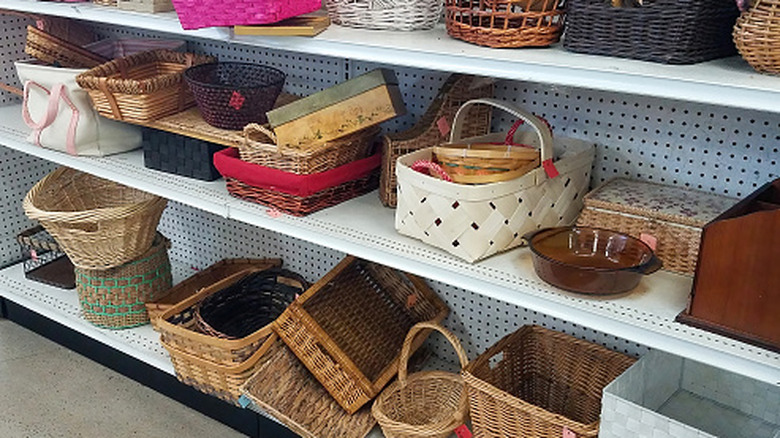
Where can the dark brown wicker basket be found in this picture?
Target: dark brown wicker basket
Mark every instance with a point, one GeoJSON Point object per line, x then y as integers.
{"type": "Point", "coordinates": [665, 31]}
{"type": "Point", "coordinates": [250, 304]}
{"type": "Point", "coordinates": [231, 95]}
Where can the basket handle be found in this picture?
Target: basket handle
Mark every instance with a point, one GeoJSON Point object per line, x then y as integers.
{"type": "Point", "coordinates": [403, 361]}
{"type": "Point", "coordinates": [256, 127]}
{"type": "Point", "coordinates": [541, 129]}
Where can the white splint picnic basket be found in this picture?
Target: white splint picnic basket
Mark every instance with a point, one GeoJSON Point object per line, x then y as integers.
{"type": "Point", "coordinates": [476, 221]}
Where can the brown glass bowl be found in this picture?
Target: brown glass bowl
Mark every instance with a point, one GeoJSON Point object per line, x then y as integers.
{"type": "Point", "coordinates": [590, 260]}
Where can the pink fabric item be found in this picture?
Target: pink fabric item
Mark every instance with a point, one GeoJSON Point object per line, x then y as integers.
{"type": "Point", "coordinates": [195, 14]}
{"type": "Point", "coordinates": [56, 94]}
{"type": "Point", "coordinates": [230, 165]}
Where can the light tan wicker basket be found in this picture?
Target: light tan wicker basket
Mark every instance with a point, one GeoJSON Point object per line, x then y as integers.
{"type": "Point", "coordinates": [757, 36]}
{"type": "Point", "coordinates": [98, 223]}
{"type": "Point", "coordinates": [151, 6]}
{"type": "Point", "coordinates": [259, 147]}
{"type": "Point", "coordinates": [433, 127]}
{"type": "Point", "coordinates": [53, 50]}
{"type": "Point", "coordinates": [427, 404]}
{"type": "Point", "coordinates": [349, 327]}
{"type": "Point", "coordinates": [535, 382]}
{"type": "Point", "coordinates": [404, 15]}
{"type": "Point", "coordinates": [142, 87]}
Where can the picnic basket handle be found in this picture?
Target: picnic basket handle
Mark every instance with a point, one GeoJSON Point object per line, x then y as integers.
{"type": "Point", "coordinates": [541, 128]}
{"type": "Point", "coordinates": [403, 361]}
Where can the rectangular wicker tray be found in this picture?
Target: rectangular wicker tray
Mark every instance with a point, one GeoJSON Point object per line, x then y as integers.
{"type": "Point", "coordinates": [284, 388]}
{"type": "Point", "coordinates": [349, 327]}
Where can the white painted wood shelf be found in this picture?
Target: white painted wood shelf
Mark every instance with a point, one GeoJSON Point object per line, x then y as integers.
{"type": "Point", "coordinates": [728, 82]}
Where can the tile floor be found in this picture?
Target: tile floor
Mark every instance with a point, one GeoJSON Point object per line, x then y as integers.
{"type": "Point", "coordinates": [49, 391]}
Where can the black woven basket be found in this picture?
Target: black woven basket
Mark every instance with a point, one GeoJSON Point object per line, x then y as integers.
{"type": "Point", "coordinates": [664, 31]}
{"type": "Point", "coordinates": [250, 304]}
{"type": "Point", "coordinates": [180, 155]}
{"type": "Point", "coordinates": [231, 95]}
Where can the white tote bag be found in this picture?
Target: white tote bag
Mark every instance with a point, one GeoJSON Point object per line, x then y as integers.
{"type": "Point", "coordinates": [61, 115]}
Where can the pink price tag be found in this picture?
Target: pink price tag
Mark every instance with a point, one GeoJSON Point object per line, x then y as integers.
{"type": "Point", "coordinates": [33, 255]}
{"type": "Point", "coordinates": [444, 126]}
{"type": "Point", "coordinates": [274, 213]}
{"type": "Point", "coordinates": [649, 239]}
{"type": "Point", "coordinates": [567, 433]}
{"type": "Point", "coordinates": [462, 431]}
{"type": "Point", "coordinates": [549, 168]}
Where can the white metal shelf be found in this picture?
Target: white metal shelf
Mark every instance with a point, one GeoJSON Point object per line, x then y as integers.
{"type": "Point", "coordinates": [364, 228]}
{"type": "Point", "coordinates": [726, 82]}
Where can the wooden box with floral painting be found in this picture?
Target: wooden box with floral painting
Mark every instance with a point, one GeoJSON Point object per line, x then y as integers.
{"type": "Point", "coordinates": [670, 219]}
{"type": "Point", "coordinates": [356, 104]}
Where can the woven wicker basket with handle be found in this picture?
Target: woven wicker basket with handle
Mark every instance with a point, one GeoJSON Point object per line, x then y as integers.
{"type": "Point", "coordinates": [426, 404]}
{"type": "Point", "coordinates": [757, 36]}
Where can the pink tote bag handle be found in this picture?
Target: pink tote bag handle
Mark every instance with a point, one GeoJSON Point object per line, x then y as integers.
{"type": "Point", "coordinates": [56, 94]}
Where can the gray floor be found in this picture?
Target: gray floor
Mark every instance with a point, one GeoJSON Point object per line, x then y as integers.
{"type": "Point", "coordinates": [49, 391]}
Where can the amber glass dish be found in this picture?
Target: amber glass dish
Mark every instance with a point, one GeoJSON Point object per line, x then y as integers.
{"type": "Point", "coordinates": [590, 260]}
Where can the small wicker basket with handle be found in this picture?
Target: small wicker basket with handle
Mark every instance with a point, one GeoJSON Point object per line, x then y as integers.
{"type": "Point", "coordinates": [757, 36]}
{"type": "Point", "coordinates": [426, 404]}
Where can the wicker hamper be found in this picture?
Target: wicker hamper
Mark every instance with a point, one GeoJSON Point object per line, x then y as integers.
{"type": "Point", "coordinates": [664, 31]}
{"type": "Point", "coordinates": [142, 87]}
{"type": "Point", "coordinates": [538, 383]}
{"type": "Point", "coordinates": [115, 298]}
{"type": "Point", "coordinates": [100, 224]}
{"type": "Point", "coordinates": [476, 221]}
{"type": "Point", "coordinates": [671, 216]}
{"type": "Point", "coordinates": [349, 327]}
{"type": "Point", "coordinates": [434, 126]}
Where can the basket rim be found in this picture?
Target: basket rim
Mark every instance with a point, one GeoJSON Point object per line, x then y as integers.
{"type": "Point", "coordinates": [188, 73]}
{"type": "Point", "coordinates": [227, 369]}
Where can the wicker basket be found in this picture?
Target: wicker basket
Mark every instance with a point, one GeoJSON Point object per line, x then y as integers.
{"type": "Point", "coordinates": [476, 221]}
{"type": "Point", "coordinates": [468, 163]}
{"type": "Point", "coordinates": [297, 195]}
{"type": "Point", "coordinates": [259, 147]}
{"type": "Point", "coordinates": [433, 127]}
{"type": "Point", "coordinates": [45, 261]}
{"type": "Point", "coordinates": [505, 23]}
{"type": "Point", "coordinates": [192, 285]}
{"type": "Point", "coordinates": [178, 327]}
{"type": "Point", "coordinates": [429, 404]}
{"type": "Point", "coordinates": [180, 154]}
{"type": "Point", "coordinates": [248, 305]}
{"type": "Point", "coordinates": [115, 298]}
{"type": "Point", "coordinates": [404, 15]}
{"type": "Point", "coordinates": [56, 51]}
{"type": "Point", "coordinates": [100, 224]}
{"type": "Point", "coordinates": [757, 36]}
{"type": "Point", "coordinates": [349, 327]}
{"type": "Point", "coordinates": [231, 95]}
{"type": "Point", "coordinates": [286, 390]}
{"type": "Point", "coordinates": [664, 31]}
{"type": "Point", "coordinates": [195, 14]}
{"type": "Point", "coordinates": [151, 6]}
{"type": "Point", "coordinates": [105, 2]}
{"type": "Point", "coordinates": [142, 87]}
{"type": "Point", "coordinates": [536, 382]}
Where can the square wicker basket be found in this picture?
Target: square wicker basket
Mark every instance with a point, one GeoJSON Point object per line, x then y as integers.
{"type": "Point", "coordinates": [349, 327]}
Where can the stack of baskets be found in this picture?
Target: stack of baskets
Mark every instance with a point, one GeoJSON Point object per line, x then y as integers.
{"type": "Point", "coordinates": [109, 233]}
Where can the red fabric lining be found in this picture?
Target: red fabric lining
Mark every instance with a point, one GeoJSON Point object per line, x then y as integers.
{"type": "Point", "coordinates": [230, 165]}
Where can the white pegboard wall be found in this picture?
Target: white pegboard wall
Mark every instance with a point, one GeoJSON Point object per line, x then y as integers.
{"type": "Point", "coordinates": [19, 173]}
{"type": "Point", "coordinates": [12, 40]}
{"type": "Point", "coordinates": [200, 239]}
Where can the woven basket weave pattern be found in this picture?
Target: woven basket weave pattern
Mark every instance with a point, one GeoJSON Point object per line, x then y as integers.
{"type": "Point", "coordinates": [457, 90]}
{"type": "Point", "coordinates": [52, 50]}
{"type": "Point", "coordinates": [195, 14]}
{"type": "Point", "coordinates": [348, 328]}
{"type": "Point", "coordinates": [757, 36]}
{"type": "Point", "coordinates": [406, 15]}
{"type": "Point", "coordinates": [145, 5]}
{"type": "Point", "coordinates": [666, 31]}
{"type": "Point", "coordinates": [536, 381]}
{"type": "Point", "coordinates": [116, 297]}
{"type": "Point", "coordinates": [505, 23]}
{"type": "Point", "coordinates": [100, 224]}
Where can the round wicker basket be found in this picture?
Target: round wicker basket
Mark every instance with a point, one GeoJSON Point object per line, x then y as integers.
{"type": "Point", "coordinates": [757, 36]}
{"type": "Point", "coordinates": [98, 223]}
{"type": "Point", "coordinates": [405, 15]}
{"type": "Point", "coordinates": [427, 404]}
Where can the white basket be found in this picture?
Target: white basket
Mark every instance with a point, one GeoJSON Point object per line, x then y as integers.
{"type": "Point", "coordinates": [475, 221]}
{"type": "Point", "coordinates": [666, 396]}
{"type": "Point", "coordinates": [404, 15]}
